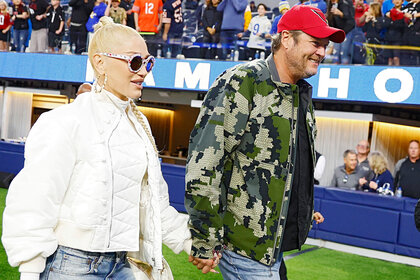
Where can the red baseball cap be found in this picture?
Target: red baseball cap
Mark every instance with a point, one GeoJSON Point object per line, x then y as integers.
{"type": "Point", "coordinates": [310, 20]}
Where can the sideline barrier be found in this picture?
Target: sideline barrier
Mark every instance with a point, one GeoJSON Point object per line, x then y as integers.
{"type": "Point", "coordinates": [356, 218]}
{"type": "Point", "coordinates": [360, 219]}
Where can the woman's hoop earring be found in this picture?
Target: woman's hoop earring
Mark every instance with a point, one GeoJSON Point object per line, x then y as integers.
{"type": "Point", "coordinates": [99, 88]}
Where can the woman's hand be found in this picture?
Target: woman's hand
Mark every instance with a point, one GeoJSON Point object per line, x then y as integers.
{"type": "Point", "coordinates": [373, 185]}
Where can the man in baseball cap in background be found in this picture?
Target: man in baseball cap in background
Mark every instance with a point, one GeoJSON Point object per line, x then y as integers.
{"type": "Point", "coordinates": [249, 177]}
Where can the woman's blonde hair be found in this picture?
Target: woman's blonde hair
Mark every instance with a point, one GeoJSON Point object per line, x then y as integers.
{"type": "Point", "coordinates": [107, 37]}
{"type": "Point", "coordinates": [377, 162]}
{"type": "Point", "coordinates": [376, 8]}
{"type": "Point", "coordinates": [5, 3]}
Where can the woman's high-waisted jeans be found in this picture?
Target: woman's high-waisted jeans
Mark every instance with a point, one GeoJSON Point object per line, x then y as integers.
{"type": "Point", "coordinates": [71, 264]}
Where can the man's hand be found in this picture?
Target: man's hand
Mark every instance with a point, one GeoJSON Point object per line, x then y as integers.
{"type": "Point", "coordinates": [206, 265]}
{"type": "Point", "coordinates": [362, 181]}
{"type": "Point", "coordinates": [318, 218]}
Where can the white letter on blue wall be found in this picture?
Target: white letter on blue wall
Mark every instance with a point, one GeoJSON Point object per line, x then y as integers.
{"type": "Point", "coordinates": [201, 74]}
{"type": "Point", "coordinates": [407, 85]}
{"type": "Point", "coordinates": [341, 83]}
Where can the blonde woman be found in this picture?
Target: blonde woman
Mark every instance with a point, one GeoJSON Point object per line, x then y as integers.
{"type": "Point", "coordinates": [378, 164]}
{"type": "Point", "coordinates": [5, 25]}
{"type": "Point", "coordinates": [92, 188]}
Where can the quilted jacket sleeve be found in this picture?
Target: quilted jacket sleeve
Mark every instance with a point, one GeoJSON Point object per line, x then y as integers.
{"type": "Point", "coordinates": [35, 195]}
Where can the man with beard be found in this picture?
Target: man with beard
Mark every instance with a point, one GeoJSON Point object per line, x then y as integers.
{"type": "Point", "coordinates": [249, 180]}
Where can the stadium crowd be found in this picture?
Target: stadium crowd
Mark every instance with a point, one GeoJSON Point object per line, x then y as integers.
{"type": "Point", "coordinates": [381, 32]}
{"type": "Point", "coordinates": [369, 171]}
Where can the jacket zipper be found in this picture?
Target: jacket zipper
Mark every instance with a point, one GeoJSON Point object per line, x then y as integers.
{"type": "Point", "coordinates": [291, 180]}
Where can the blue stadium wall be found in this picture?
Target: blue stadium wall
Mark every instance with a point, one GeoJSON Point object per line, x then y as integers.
{"type": "Point", "coordinates": [377, 84]}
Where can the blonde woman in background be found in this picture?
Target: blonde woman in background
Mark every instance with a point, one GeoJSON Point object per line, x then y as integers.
{"type": "Point", "coordinates": [5, 26]}
{"type": "Point", "coordinates": [383, 177]}
{"type": "Point", "coordinates": [92, 189]}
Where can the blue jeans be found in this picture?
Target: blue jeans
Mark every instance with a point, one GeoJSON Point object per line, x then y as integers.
{"type": "Point", "coordinates": [20, 36]}
{"type": "Point", "coordinates": [234, 266]}
{"type": "Point", "coordinates": [71, 264]}
{"type": "Point", "coordinates": [228, 40]}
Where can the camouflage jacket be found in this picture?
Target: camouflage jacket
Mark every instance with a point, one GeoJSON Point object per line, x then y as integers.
{"type": "Point", "coordinates": [240, 163]}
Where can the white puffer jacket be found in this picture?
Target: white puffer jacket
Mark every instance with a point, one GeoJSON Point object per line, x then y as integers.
{"type": "Point", "coordinates": [63, 195]}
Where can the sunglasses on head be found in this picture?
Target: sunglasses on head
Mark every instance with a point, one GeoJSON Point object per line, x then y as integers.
{"type": "Point", "coordinates": [135, 62]}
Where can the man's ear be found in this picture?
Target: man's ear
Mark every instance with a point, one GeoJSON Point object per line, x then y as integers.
{"type": "Point", "coordinates": [98, 64]}
{"type": "Point", "coordinates": [286, 39]}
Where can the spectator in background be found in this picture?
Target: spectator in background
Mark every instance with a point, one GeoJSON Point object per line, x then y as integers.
{"type": "Point", "coordinates": [85, 87]}
{"type": "Point", "coordinates": [5, 25]}
{"type": "Point", "coordinates": [173, 27]}
{"type": "Point", "coordinates": [232, 23]}
{"type": "Point", "coordinates": [252, 7]}
{"type": "Point", "coordinates": [81, 9]}
{"type": "Point", "coordinates": [382, 176]}
{"type": "Point", "coordinates": [127, 6]}
{"type": "Point", "coordinates": [212, 21]}
{"type": "Point", "coordinates": [99, 10]}
{"type": "Point", "coordinates": [20, 25]}
{"type": "Point", "coordinates": [283, 8]}
{"type": "Point", "coordinates": [39, 35]}
{"type": "Point", "coordinates": [340, 14]}
{"type": "Point", "coordinates": [258, 30]}
{"type": "Point", "coordinates": [374, 27]}
{"type": "Point", "coordinates": [396, 25]}
{"type": "Point", "coordinates": [55, 19]}
{"type": "Point", "coordinates": [148, 21]}
{"type": "Point", "coordinates": [319, 167]}
{"type": "Point", "coordinates": [412, 32]}
{"type": "Point", "coordinates": [387, 5]}
{"type": "Point", "coordinates": [363, 149]}
{"type": "Point", "coordinates": [347, 176]}
{"type": "Point", "coordinates": [320, 4]}
{"type": "Point", "coordinates": [117, 13]}
{"type": "Point", "coordinates": [407, 172]}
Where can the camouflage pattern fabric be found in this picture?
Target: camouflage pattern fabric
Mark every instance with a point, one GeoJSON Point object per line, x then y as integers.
{"type": "Point", "coordinates": [240, 163]}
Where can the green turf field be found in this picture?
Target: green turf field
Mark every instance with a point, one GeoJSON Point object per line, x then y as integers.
{"type": "Point", "coordinates": [321, 264]}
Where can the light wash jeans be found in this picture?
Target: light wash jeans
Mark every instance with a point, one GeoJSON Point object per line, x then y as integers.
{"type": "Point", "coordinates": [71, 264]}
{"type": "Point", "coordinates": [20, 36]}
{"type": "Point", "coordinates": [234, 266]}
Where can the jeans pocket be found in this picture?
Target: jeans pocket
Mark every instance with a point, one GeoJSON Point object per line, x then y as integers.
{"type": "Point", "coordinates": [74, 262]}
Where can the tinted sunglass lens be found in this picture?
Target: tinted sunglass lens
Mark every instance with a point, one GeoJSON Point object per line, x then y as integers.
{"type": "Point", "coordinates": [149, 65]}
{"type": "Point", "coordinates": [136, 63]}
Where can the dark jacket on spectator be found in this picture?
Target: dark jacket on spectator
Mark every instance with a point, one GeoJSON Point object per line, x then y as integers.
{"type": "Point", "coordinates": [417, 215]}
{"type": "Point", "coordinates": [373, 30]}
{"type": "Point", "coordinates": [381, 180]}
{"type": "Point", "coordinates": [346, 22]}
{"type": "Point", "coordinates": [81, 10]}
{"type": "Point", "coordinates": [412, 33]}
{"type": "Point", "coordinates": [212, 18]}
{"type": "Point", "coordinates": [395, 30]}
{"type": "Point", "coordinates": [127, 5]}
{"type": "Point", "coordinates": [38, 7]}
